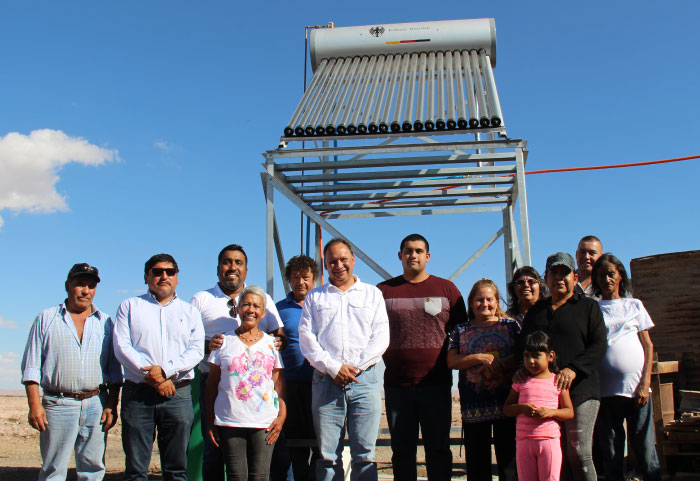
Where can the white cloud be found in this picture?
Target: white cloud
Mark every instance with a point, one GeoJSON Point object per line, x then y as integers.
{"type": "Point", "coordinates": [166, 146]}
{"type": "Point", "coordinates": [5, 324]}
{"type": "Point", "coordinates": [29, 167]}
{"type": "Point", "coordinates": [10, 371]}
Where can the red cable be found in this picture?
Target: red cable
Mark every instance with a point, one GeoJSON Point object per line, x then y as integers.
{"type": "Point", "coordinates": [551, 171]}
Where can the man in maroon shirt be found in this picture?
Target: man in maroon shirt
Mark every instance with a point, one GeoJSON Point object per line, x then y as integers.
{"type": "Point", "coordinates": [422, 309]}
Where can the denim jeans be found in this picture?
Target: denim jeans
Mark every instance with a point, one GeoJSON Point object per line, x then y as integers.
{"type": "Point", "coordinates": [246, 453]}
{"type": "Point", "coordinates": [143, 410]}
{"type": "Point", "coordinates": [610, 435]}
{"type": "Point", "coordinates": [477, 449]}
{"type": "Point", "coordinates": [431, 408]}
{"type": "Point", "coordinates": [212, 459]}
{"type": "Point", "coordinates": [577, 443]}
{"type": "Point", "coordinates": [360, 405]}
{"type": "Point", "coordinates": [73, 426]}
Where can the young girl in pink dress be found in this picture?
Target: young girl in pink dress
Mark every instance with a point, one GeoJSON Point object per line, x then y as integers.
{"type": "Point", "coordinates": [538, 405]}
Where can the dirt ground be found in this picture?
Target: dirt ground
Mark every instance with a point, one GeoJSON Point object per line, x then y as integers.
{"type": "Point", "coordinates": [20, 458]}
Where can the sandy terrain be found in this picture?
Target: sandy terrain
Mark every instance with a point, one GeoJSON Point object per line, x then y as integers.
{"type": "Point", "coordinates": [20, 457]}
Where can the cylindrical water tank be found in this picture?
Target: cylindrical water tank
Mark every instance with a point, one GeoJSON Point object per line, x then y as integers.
{"type": "Point", "coordinates": [397, 38]}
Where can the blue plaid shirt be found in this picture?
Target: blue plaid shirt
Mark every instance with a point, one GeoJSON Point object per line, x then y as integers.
{"type": "Point", "coordinates": [56, 359]}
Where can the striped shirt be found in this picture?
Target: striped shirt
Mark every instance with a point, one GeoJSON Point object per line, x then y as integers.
{"type": "Point", "coordinates": [56, 358]}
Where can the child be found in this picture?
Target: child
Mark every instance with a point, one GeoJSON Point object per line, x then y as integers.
{"type": "Point", "coordinates": [538, 403]}
{"type": "Point", "coordinates": [482, 349]}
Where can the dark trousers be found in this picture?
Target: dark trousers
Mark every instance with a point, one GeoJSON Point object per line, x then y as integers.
{"type": "Point", "coordinates": [144, 410]}
{"type": "Point", "coordinates": [477, 448]}
{"type": "Point", "coordinates": [246, 454]}
{"type": "Point", "coordinates": [212, 459]}
{"type": "Point", "coordinates": [299, 425]}
{"type": "Point", "coordinates": [429, 407]}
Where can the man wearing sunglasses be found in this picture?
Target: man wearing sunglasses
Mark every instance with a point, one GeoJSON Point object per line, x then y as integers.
{"type": "Point", "coordinates": [69, 354]}
{"type": "Point", "coordinates": [159, 339]}
{"type": "Point", "coordinates": [219, 309]}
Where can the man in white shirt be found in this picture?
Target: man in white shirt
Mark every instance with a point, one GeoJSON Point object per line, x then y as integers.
{"type": "Point", "coordinates": [343, 332]}
{"type": "Point", "coordinates": [587, 253]}
{"type": "Point", "coordinates": [158, 339]}
{"type": "Point", "coordinates": [219, 310]}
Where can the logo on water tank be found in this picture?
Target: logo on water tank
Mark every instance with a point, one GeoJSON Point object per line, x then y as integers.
{"type": "Point", "coordinates": [376, 31]}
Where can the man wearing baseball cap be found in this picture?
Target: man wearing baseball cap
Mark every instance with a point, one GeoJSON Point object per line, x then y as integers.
{"type": "Point", "coordinates": [69, 354]}
{"type": "Point", "coordinates": [576, 328]}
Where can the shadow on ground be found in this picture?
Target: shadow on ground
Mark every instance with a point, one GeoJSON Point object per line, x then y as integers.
{"type": "Point", "coordinates": [31, 474]}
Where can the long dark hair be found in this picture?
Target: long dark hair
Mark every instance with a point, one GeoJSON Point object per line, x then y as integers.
{"type": "Point", "coordinates": [514, 306]}
{"type": "Point", "coordinates": [625, 288]}
{"type": "Point", "coordinates": [539, 341]}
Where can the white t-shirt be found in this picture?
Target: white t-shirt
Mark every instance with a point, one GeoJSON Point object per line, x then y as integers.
{"type": "Point", "coordinates": [246, 397]}
{"type": "Point", "coordinates": [212, 304]}
{"type": "Point", "coordinates": [621, 369]}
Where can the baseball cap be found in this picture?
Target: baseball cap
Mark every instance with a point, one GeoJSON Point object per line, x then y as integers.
{"type": "Point", "coordinates": [83, 269]}
{"type": "Point", "coordinates": [560, 259]}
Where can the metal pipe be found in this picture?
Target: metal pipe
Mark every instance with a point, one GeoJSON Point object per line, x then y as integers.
{"type": "Point", "coordinates": [398, 109]}
{"type": "Point", "coordinates": [305, 121]}
{"type": "Point", "coordinates": [371, 100]}
{"type": "Point", "coordinates": [451, 122]}
{"type": "Point", "coordinates": [473, 114]}
{"type": "Point", "coordinates": [365, 99]}
{"type": "Point", "coordinates": [384, 82]}
{"type": "Point", "coordinates": [430, 117]}
{"type": "Point", "coordinates": [340, 128]}
{"type": "Point", "coordinates": [406, 125]}
{"type": "Point", "coordinates": [289, 129]}
{"type": "Point", "coordinates": [334, 103]}
{"type": "Point", "coordinates": [459, 78]}
{"type": "Point", "coordinates": [440, 117]}
{"type": "Point", "coordinates": [494, 102]}
{"type": "Point", "coordinates": [320, 129]}
{"type": "Point", "coordinates": [384, 120]}
{"type": "Point", "coordinates": [420, 110]}
{"type": "Point", "coordinates": [353, 94]}
{"type": "Point", "coordinates": [484, 120]}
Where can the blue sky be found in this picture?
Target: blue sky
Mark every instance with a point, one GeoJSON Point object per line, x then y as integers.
{"type": "Point", "coordinates": [131, 128]}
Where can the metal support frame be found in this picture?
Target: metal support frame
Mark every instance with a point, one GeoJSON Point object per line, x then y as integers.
{"type": "Point", "coordinates": [393, 175]}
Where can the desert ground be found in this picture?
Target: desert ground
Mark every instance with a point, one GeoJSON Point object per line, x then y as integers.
{"type": "Point", "coordinates": [20, 458]}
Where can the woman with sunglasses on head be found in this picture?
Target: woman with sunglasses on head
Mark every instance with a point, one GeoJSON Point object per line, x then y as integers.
{"type": "Point", "coordinates": [625, 375]}
{"type": "Point", "coordinates": [245, 393]}
{"type": "Point", "coordinates": [526, 288]}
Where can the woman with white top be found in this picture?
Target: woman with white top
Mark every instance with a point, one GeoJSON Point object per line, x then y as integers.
{"type": "Point", "coordinates": [245, 393]}
{"type": "Point", "coordinates": [625, 375]}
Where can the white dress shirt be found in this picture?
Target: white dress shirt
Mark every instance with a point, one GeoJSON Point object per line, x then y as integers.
{"type": "Point", "coordinates": [148, 334]}
{"type": "Point", "coordinates": [343, 327]}
{"type": "Point", "coordinates": [213, 305]}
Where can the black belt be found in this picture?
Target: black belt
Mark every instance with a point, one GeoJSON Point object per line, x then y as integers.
{"type": "Point", "coordinates": [177, 385]}
{"type": "Point", "coordinates": [78, 396]}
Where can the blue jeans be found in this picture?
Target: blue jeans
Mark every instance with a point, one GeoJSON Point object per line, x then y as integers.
{"type": "Point", "coordinates": [143, 410]}
{"type": "Point", "coordinates": [431, 408]}
{"type": "Point", "coordinates": [212, 459]}
{"type": "Point", "coordinates": [610, 434]}
{"type": "Point", "coordinates": [577, 443]}
{"type": "Point", "coordinates": [360, 404]}
{"type": "Point", "coordinates": [73, 425]}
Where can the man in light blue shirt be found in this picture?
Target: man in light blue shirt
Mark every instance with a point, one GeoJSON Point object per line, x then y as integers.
{"type": "Point", "coordinates": [159, 339]}
{"type": "Point", "coordinates": [69, 354]}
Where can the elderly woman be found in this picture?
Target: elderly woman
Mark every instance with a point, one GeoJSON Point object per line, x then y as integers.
{"type": "Point", "coordinates": [245, 406]}
{"type": "Point", "coordinates": [526, 288]}
{"type": "Point", "coordinates": [575, 325]}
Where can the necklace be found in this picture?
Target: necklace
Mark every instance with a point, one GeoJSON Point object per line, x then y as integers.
{"type": "Point", "coordinates": [250, 339]}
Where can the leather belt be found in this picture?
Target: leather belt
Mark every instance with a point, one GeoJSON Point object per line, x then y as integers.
{"type": "Point", "coordinates": [78, 396]}
{"type": "Point", "coordinates": [177, 385]}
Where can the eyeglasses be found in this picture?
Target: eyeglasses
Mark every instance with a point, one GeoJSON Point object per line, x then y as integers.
{"type": "Point", "coordinates": [158, 271]}
{"type": "Point", "coordinates": [522, 282]}
{"type": "Point", "coordinates": [234, 308]}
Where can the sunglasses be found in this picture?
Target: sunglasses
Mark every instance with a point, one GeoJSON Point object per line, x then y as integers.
{"type": "Point", "coordinates": [233, 312]}
{"type": "Point", "coordinates": [158, 271]}
{"type": "Point", "coordinates": [523, 282]}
